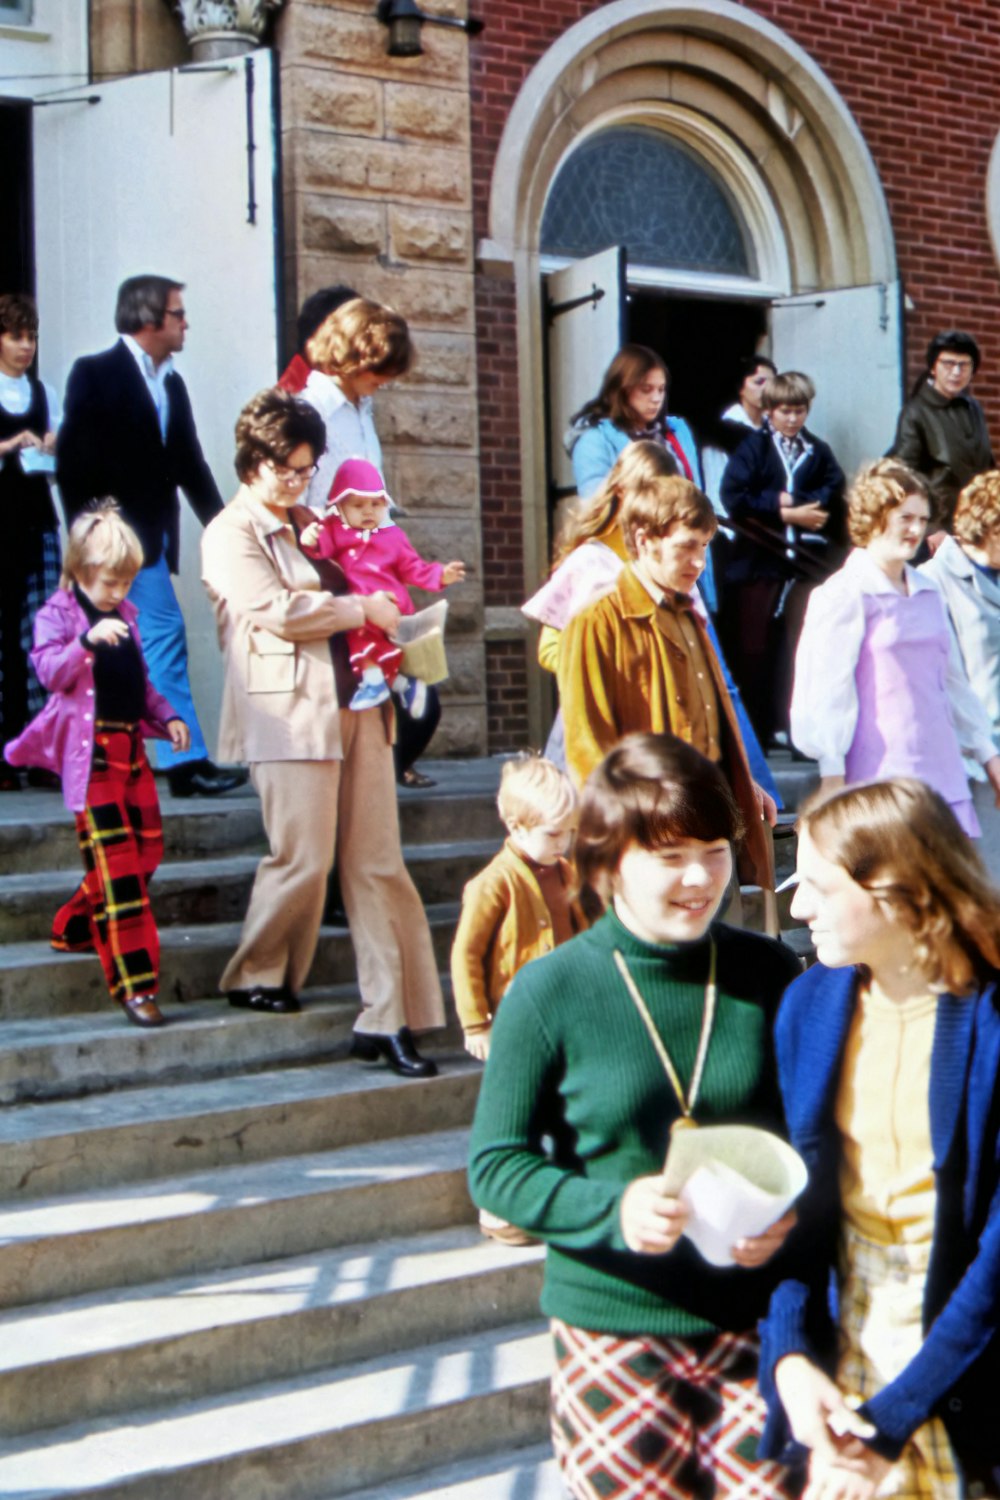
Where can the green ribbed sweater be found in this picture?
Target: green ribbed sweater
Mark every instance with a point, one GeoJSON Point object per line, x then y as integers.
{"type": "Point", "coordinates": [571, 1061]}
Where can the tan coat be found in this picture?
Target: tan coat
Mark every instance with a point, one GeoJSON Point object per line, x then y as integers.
{"type": "Point", "coordinates": [619, 673]}
{"type": "Point", "coordinates": [505, 923]}
{"type": "Point", "coordinates": [274, 621]}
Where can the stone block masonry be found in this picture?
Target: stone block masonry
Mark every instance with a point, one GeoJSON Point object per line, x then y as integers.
{"type": "Point", "coordinates": [378, 195]}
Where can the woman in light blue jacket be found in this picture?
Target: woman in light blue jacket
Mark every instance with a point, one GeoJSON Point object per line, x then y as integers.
{"type": "Point", "coordinates": [966, 571]}
{"type": "Point", "coordinates": [630, 406]}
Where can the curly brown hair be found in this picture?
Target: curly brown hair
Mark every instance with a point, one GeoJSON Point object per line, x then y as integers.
{"type": "Point", "coordinates": [977, 512]}
{"type": "Point", "coordinates": [362, 337]}
{"type": "Point", "coordinates": [879, 488]}
{"type": "Point", "coordinates": [271, 426]}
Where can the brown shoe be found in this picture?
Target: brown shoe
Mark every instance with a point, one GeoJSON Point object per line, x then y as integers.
{"type": "Point", "coordinates": [142, 1010]}
{"type": "Point", "coordinates": [495, 1228]}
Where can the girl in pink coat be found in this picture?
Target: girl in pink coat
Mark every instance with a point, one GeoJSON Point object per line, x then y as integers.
{"type": "Point", "coordinates": [375, 556]}
{"type": "Point", "coordinates": [101, 706]}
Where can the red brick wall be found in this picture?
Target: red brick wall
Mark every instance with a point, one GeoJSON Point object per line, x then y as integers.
{"type": "Point", "coordinates": [920, 79]}
{"type": "Point", "coordinates": [506, 695]}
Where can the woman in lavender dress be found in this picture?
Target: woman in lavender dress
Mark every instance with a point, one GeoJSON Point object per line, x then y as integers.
{"type": "Point", "coordinates": [879, 686]}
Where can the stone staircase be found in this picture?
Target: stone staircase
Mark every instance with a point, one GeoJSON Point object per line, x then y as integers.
{"type": "Point", "coordinates": [233, 1263]}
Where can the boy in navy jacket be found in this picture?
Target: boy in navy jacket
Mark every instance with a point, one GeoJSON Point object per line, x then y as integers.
{"type": "Point", "coordinates": [787, 489]}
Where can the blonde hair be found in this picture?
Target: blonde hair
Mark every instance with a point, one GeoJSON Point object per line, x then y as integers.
{"type": "Point", "coordinates": [977, 512]}
{"type": "Point", "coordinates": [100, 538]}
{"type": "Point", "coordinates": [639, 461]}
{"type": "Point", "coordinates": [658, 505]}
{"type": "Point", "coordinates": [361, 337]}
{"type": "Point", "coordinates": [879, 488]}
{"type": "Point", "coordinates": [534, 791]}
{"type": "Point", "coordinates": [901, 841]}
{"type": "Point", "coordinates": [790, 388]}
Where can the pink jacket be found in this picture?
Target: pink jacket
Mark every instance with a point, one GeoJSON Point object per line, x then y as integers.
{"type": "Point", "coordinates": [61, 737]}
{"type": "Point", "coordinates": [380, 559]}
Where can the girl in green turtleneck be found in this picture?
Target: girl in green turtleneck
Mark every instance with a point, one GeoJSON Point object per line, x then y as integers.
{"type": "Point", "coordinates": [655, 1383]}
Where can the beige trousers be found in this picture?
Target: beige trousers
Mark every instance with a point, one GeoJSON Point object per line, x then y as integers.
{"type": "Point", "coordinates": [313, 809]}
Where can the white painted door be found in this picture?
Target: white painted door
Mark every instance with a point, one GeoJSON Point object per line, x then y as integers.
{"type": "Point", "coordinates": [158, 176]}
{"type": "Point", "coordinates": [849, 342]}
{"type": "Point", "coordinates": [585, 328]}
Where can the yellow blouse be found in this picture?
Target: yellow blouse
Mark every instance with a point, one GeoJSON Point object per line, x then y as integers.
{"type": "Point", "coordinates": [883, 1114]}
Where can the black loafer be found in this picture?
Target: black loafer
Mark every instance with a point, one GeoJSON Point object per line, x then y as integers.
{"type": "Point", "coordinates": [199, 778]}
{"type": "Point", "coordinates": [280, 1002]}
{"type": "Point", "coordinates": [396, 1049]}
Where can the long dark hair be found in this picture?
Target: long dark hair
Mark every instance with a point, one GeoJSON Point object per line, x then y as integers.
{"type": "Point", "coordinates": [631, 364]}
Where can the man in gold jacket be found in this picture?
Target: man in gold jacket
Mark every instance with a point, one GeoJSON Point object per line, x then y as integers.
{"type": "Point", "coordinates": [640, 658]}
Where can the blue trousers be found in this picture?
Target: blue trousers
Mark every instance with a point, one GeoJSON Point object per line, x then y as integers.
{"type": "Point", "coordinates": [164, 646]}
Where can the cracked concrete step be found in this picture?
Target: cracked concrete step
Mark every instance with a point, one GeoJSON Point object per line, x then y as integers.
{"type": "Point", "coordinates": [526, 1474]}
{"type": "Point", "coordinates": [161, 1131]}
{"type": "Point", "coordinates": [34, 981]}
{"type": "Point", "coordinates": [37, 834]}
{"type": "Point", "coordinates": [89, 1240]}
{"type": "Point", "coordinates": [321, 1435]}
{"type": "Point", "coordinates": [175, 1341]}
{"type": "Point", "coordinates": [186, 892]}
{"type": "Point", "coordinates": [64, 1057]}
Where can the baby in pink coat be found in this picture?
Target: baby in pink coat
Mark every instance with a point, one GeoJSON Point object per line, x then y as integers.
{"type": "Point", "coordinates": [375, 555]}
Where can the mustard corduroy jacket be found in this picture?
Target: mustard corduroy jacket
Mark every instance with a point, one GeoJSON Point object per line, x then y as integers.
{"type": "Point", "coordinates": [617, 677]}
{"type": "Point", "coordinates": [505, 923]}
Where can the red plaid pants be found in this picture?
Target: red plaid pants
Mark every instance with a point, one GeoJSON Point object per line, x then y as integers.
{"type": "Point", "coordinates": [120, 833]}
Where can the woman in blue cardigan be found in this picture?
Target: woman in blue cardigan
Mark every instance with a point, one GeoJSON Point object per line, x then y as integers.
{"type": "Point", "coordinates": [889, 1064]}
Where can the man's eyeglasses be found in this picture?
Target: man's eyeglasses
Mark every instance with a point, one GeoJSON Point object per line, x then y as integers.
{"type": "Point", "coordinates": [175, 312]}
{"type": "Point", "coordinates": [290, 475]}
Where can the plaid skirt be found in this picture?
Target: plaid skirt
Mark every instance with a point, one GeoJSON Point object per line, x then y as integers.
{"type": "Point", "coordinates": [881, 1307]}
{"type": "Point", "coordinates": [661, 1419]}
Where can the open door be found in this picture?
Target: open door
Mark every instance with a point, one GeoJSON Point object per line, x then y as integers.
{"type": "Point", "coordinates": [585, 328]}
{"type": "Point", "coordinates": [849, 342]}
{"type": "Point", "coordinates": [174, 173]}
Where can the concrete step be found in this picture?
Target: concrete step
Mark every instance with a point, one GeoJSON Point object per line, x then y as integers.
{"type": "Point", "coordinates": [195, 892]}
{"type": "Point", "coordinates": [37, 833]}
{"type": "Point", "coordinates": [176, 1341]}
{"type": "Point", "coordinates": [168, 1130]}
{"type": "Point", "coordinates": [35, 981]}
{"type": "Point", "coordinates": [796, 779]}
{"type": "Point", "coordinates": [527, 1474]}
{"type": "Point", "coordinates": [65, 1057]}
{"type": "Point", "coordinates": [325, 1434]}
{"type": "Point", "coordinates": [88, 1240]}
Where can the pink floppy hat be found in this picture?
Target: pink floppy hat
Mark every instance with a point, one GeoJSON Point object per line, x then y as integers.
{"type": "Point", "coordinates": [356, 476]}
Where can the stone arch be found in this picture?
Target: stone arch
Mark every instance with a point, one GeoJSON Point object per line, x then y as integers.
{"type": "Point", "coordinates": [779, 131]}
{"type": "Point", "coordinates": [740, 93]}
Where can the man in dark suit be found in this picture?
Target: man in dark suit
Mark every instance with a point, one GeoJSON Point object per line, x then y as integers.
{"type": "Point", "coordinates": [128, 431]}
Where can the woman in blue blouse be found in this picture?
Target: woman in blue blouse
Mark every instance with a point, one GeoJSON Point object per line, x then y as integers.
{"type": "Point", "coordinates": [889, 1065]}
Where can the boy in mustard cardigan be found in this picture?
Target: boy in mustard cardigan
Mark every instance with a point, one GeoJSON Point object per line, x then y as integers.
{"type": "Point", "coordinates": [520, 906]}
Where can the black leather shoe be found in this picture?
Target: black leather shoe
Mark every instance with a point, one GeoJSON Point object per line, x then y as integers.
{"type": "Point", "coordinates": [199, 778]}
{"type": "Point", "coordinates": [280, 1002]}
{"type": "Point", "coordinates": [397, 1050]}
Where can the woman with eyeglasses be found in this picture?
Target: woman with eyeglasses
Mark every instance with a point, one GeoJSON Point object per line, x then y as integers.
{"type": "Point", "coordinates": [324, 773]}
{"type": "Point", "coordinates": [942, 431]}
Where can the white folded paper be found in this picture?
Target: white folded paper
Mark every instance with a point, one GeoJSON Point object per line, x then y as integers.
{"type": "Point", "coordinates": [735, 1180]}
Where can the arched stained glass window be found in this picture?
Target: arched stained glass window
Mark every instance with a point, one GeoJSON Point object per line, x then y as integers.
{"type": "Point", "coordinates": [638, 187]}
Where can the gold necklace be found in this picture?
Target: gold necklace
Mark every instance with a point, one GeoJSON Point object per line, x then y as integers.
{"type": "Point", "coordinates": [688, 1100]}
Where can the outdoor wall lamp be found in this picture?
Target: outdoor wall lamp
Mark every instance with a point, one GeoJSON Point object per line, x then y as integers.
{"type": "Point", "coordinates": [404, 19]}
